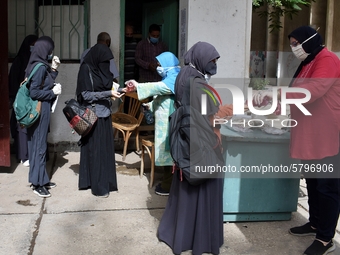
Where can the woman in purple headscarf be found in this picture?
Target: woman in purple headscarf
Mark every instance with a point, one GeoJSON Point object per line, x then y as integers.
{"type": "Point", "coordinates": [193, 217]}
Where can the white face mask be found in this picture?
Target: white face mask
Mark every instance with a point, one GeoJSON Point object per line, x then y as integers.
{"type": "Point", "coordinates": [162, 71]}
{"type": "Point", "coordinates": [299, 52]}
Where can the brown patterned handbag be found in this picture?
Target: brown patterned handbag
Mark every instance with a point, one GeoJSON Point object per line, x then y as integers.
{"type": "Point", "coordinates": [81, 118]}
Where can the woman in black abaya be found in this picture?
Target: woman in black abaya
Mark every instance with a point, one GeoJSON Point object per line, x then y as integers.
{"type": "Point", "coordinates": [193, 217]}
{"type": "Point", "coordinates": [97, 157]}
{"type": "Point", "coordinates": [15, 77]}
{"type": "Point", "coordinates": [42, 87]}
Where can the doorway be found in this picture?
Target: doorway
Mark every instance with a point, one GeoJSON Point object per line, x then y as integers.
{"type": "Point", "coordinates": [142, 13]}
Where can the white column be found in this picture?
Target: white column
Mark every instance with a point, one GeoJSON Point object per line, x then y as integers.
{"type": "Point", "coordinates": [227, 26]}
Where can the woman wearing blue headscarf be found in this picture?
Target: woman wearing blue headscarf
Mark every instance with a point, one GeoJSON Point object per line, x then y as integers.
{"type": "Point", "coordinates": [162, 106]}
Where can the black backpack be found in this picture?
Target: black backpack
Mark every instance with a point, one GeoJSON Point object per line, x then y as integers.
{"type": "Point", "coordinates": [194, 146]}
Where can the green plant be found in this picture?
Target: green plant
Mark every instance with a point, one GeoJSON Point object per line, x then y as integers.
{"type": "Point", "coordinates": [278, 8]}
{"type": "Point", "coordinates": [258, 83]}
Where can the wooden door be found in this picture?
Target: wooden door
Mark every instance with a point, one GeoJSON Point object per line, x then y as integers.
{"type": "Point", "coordinates": [4, 100]}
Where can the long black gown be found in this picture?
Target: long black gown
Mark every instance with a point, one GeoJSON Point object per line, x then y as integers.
{"type": "Point", "coordinates": [193, 217]}
{"type": "Point", "coordinates": [15, 77]}
{"type": "Point", "coordinates": [97, 169]}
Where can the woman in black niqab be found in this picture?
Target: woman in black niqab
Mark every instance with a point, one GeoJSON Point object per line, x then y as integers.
{"type": "Point", "coordinates": [18, 67]}
{"type": "Point", "coordinates": [97, 59]}
{"type": "Point", "coordinates": [15, 77]}
{"type": "Point", "coordinates": [97, 170]}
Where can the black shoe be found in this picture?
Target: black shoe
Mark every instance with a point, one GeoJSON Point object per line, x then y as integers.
{"type": "Point", "coordinates": [47, 186]}
{"type": "Point", "coordinates": [50, 185]}
{"type": "Point", "coordinates": [305, 230]}
{"type": "Point", "coordinates": [160, 191]}
{"type": "Point", "coordinates": [317, 248]}
{"type": "Point", "coordinates": [41, 191]}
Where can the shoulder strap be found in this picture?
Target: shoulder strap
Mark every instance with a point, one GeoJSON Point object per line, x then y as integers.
{"type": "Point", "coordinates": [90, 75]}
{"type": "Point", "coordinates": [34, 70]}
{"type": "Point", "coordinates": [186, 93]}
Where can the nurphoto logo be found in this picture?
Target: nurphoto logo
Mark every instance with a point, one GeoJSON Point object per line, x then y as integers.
{"type": "Point", "coordinates": [238, 104]}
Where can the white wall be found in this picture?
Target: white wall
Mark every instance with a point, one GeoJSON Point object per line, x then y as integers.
{"type": "Point", "coordinates": [105, 17]}
{"type": "Point", "coordinates": [59, 127]}
{"type": "Point", "coordinates": [227, 26]}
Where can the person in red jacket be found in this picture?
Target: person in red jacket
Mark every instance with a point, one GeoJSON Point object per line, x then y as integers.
{"type": "Point", "coordinates": [315, 139]}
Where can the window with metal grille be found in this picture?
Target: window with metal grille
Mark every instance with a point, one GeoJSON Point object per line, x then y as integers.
{"type": "Point", "coordinates": [63, 20]}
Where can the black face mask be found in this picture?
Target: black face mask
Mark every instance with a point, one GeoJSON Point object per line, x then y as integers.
{"type": "Point", "coordinates": [128, 39]}
{"type": "Point", "coordinates": [211, 68]}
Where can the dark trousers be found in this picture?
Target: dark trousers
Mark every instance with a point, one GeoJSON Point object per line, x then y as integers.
{"type": "Point", "coordinates": [167, 178]}
{"type": "Point", "coordinates": [37, 147]}
{"type": "Point", "coordinates": [324, 199]}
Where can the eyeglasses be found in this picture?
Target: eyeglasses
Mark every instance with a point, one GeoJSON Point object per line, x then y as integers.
{"type": "Point", "coordinates": [294, 44]}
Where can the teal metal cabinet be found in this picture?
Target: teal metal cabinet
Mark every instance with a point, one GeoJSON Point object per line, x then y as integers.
{"type": "Point", "coordinates": [258, 196]}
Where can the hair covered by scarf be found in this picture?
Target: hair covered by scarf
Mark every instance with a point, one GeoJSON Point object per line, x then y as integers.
{"type": "Point", "coordinates": [17, 71]}
{"type": "Point", "coordinates": [43, 47]}
{"type": "Point", "coordinates": [98, 60]}
{"type": "Point", "coordinates": [303, 33]}
{"type": "Point", "coordinates": [199, 55]}
{"type": "Point", "coordinates": [313, 46]}
{"type": "Point", "coordinates": [168, 59]}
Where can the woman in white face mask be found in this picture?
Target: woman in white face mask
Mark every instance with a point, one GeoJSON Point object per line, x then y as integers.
{"type": "Point", "coordinates": [315, 139]}
{"type": "Point", "coordinates": [305, 41]}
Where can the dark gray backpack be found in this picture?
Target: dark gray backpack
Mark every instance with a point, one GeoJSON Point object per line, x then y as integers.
{"type": "Point", "coordinates": [194, 147]}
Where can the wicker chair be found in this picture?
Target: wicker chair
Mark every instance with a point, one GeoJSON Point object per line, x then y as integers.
{"type": "Point", "coordinates": [128, 123]}
{"type": "Point", "coordinates": [149, 146]}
